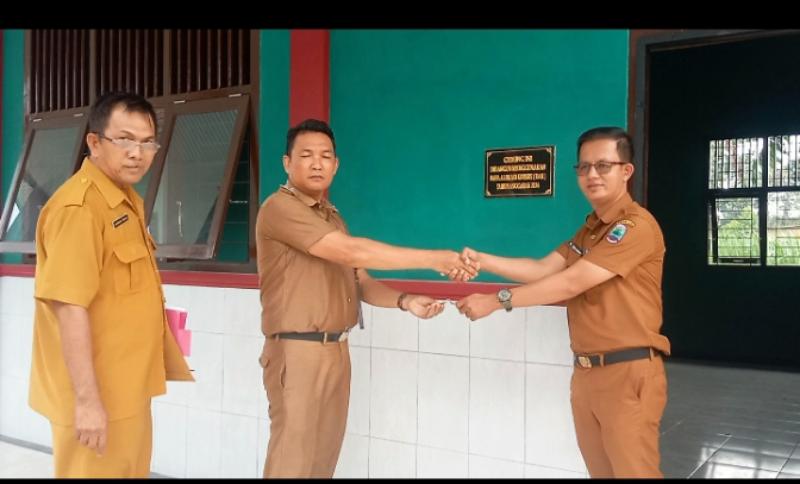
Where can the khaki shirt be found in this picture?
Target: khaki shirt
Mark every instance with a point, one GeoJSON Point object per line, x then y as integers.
{"type": "Point", "coordinates": [301, 292]}
{"type": "Point", "coordinates": [93, 250]}
{"type": "Point", "coordinates": [625, 311]}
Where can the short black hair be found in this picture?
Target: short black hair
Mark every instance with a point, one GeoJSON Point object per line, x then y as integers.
{"type": "Point", "coordinates": [623, 139]}
{"type": "Point", "coordinates": [108, 102]}
{"type": "Point", "coordinates": [308, 125]}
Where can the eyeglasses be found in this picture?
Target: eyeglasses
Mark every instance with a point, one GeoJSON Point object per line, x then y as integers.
{"type": "Point", "coordinates": [602, 167]}
{"type": "Point", "coordinates": [129, 144]}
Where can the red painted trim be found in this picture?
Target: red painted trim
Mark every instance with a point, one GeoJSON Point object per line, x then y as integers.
{"type": "Point", "coordinates": [437, 289]}
{"type": "Point", "coordinates": [443, 289]}
{"type": "Point", "coordinates": [17, 270]}
{"type": "Point", "coordinates": [181, 278]}
{"type": "Point", "coordinates": [309, 75]}
{"type": "Point", "coordinates": [210, 279]}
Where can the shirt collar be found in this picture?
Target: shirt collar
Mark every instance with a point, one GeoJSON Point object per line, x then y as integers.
{"type": "Point", "coordinates": [611, 213]}
{"type": "Point", "coordinates": [308, 200]}
{"type": "Point", "coordinates": [112, 194]}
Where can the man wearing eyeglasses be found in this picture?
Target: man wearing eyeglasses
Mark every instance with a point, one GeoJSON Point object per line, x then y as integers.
{"type": "Point", "coordinates": [609, 274]}
{"type": "Point", "coordinates": [101, 348]}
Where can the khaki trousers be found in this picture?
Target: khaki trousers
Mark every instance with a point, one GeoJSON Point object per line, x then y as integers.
{"type": "Point", "coordinates": [128, 450]}
{"type": "Point", "coordinates": [308, 388]}
{"type": "Point", "coordinates": [617, 411]}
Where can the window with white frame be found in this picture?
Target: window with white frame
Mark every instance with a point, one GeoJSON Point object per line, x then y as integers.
{"type": "Point", "coordinates": [754, 201]}
{"type": "Point", "coordinates": [201, 191]}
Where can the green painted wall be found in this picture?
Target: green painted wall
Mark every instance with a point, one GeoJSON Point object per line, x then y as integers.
{"type": "Point", "coordinates": [274, 109]}
{"type": "Point", "coordinates": [13, 109]}
{"type": "Point", "coordinates": [414, 111]}
{"type": "Point", "coordinates": [13, 113]}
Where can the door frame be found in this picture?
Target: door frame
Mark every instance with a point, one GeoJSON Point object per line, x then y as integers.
{"type": "Point", "coordinates": [643, 43]}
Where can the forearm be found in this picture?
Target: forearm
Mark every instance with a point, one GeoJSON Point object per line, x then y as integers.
{"type": "Point", "coordinates": [76, 346]}
{"type": "Point", "coordinates": [372, 254]}
{"type": "Point", "coordinates": [377, 293]}
{"type": "Point", "coordinates": [553, 289]}
{"type": "Point", "coordinates": [360, 252]}
{"type": "Point", "coordinates": [524, 270]}
{"type": "Point", "coordinates": [515, 269]}
{"type": "Point", "coordinates": [557, 287]}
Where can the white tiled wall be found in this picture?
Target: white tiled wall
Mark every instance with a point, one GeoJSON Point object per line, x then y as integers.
{"type": "Point", "coordinates": [438, 463]}
{"type": "Point", "coordinates": [393, 395]}
{"type": "Point", "coordinates": [17, 420]}
{"type": "Point", "coordinates": [205, 428]}
{"type": "Point", "coordinates": [169, 439]}
{"type": "Point", "coordinates": [487, 467]}
{"type": "Point", "coordinates": [429, 398]}
{"type": "Point", "coordinates": [497, 409]}
{"type": "Point", "coordinates": [443, 402]}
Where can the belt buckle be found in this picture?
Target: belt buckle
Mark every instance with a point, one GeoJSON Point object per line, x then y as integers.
{"type": "Point", "coordinates": [584, 361]}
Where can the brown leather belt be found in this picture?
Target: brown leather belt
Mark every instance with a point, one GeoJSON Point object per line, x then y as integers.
{"type": "Point", "coordinates": [588, 361]}
{"type": "Point", "coordinates": [321, 337]}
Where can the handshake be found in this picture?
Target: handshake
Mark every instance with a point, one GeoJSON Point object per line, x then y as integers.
{"type": "Point", "coordinates": [461, 267]}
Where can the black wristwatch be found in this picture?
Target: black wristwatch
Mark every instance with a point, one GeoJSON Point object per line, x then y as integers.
{"type": "Point", "coordinates": [504, 296]}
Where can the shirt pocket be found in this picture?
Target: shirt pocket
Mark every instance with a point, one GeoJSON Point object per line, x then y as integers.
{"type": "Point", "coordinates": [130, 267]}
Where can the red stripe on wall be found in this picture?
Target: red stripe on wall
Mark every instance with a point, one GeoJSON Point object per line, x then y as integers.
{"type": "Point", "coordinates": [17, 270]}
{"type": "Point", "coordinates": [309, 75]}
{"type": "Point", "coordinates": [436, 289]}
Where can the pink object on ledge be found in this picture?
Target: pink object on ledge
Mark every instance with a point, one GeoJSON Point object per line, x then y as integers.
{"type": "Point", "coordinates": [176, 318]}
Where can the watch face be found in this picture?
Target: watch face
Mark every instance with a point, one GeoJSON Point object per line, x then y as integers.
{"type": "Point", "coordinates": [504, 295]}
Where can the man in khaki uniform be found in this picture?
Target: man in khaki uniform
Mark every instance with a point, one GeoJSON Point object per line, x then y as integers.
{"type": "Point", "coordinates": [312, 275]}
{"type": "Point", "coordinates": [610, 276]}
{"type": "Point", "coordinates": [101, 347]}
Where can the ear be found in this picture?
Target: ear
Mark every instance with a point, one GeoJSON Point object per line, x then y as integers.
{"type": "Point", "coordinates": [627, 170]}
{"type": "Point", "coordinates": [286, 161]}
{"type": "Point", "coordinates": [93, 142]}
{"type": "Point", "coordinates": [336, 165]}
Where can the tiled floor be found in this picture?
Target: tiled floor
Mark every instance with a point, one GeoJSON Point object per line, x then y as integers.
{"type": "Point", "coordinates": [730, 422]}
{"type": "Point", "coordinates": [719, 422]}
{"type": "Point", "coordinates": [18, 461]}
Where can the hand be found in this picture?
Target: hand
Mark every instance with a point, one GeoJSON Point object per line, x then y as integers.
{"type": "Point", "coordinates": [450, 262]}
{"type": "Point", "coordinates": [477, 306]}
{"type": "Point", "coordinates": [423, 306]}
{"type": "Point", "coordinates": [470, 257]}
{"type": "Point", "coordinates": [91, 425]}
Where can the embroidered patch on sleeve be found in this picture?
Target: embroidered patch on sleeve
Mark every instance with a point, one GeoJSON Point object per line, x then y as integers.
{"type": "Point", "coordinates": [616, 234]}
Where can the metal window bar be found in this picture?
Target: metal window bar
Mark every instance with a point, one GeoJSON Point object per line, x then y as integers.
{"type": "Point", "coordinates": [711, 157]}
{"type": "Point", "coordinates": [734, 225]}
{"type": "Point", "coordinates": [784, 229]}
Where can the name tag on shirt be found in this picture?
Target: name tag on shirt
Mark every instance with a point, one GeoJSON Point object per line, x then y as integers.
{"type": "Point", "coordinates": [120, 221]}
